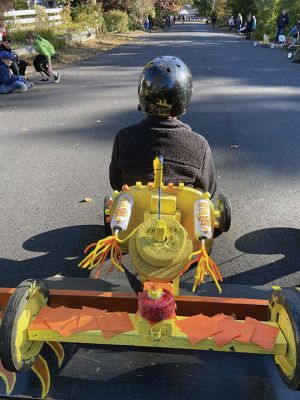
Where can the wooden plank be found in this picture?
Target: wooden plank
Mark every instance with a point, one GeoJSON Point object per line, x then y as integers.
{"type": "Point", "coordinates": [25, 21]}
{"type": "Point", "coordinates": [163, 335]}
{"type": "Point", "coordinates": [186, 305]}
{"type": "Point", "coordinates": [20, 13]}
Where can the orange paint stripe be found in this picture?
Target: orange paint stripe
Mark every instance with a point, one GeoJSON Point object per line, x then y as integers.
{"type": "Point", "coordinates": [58, 351]}
{"type": "Point", "coordinates": [9, 379]}
{"type": "Point", "coordinates": [40, 368]}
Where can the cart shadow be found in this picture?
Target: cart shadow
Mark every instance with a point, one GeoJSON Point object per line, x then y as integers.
{"type": "Point", "coordinates": [62, 251]}
{"type": "Point", "coordinates": [167, 373]}
{"type": "Point", "coordinates": [271, 241]}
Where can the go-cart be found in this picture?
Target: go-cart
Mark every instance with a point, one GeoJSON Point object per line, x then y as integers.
{"type": "Point", "coordinates": [292, 50]}
{"type": "Point", "coordinates": [167, 230]}
{"type": "Point", "coordinates": [264, 43]}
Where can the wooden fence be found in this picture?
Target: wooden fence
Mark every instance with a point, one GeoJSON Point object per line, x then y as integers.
{"type": "Point", "coordinates": [28, 16]}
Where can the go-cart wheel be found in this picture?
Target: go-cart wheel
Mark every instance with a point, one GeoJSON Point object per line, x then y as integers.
{"type": "Point", "coordinates": [290, 55]}
{"type": "Point", "coordinates": [255, 44]}
{"type": "Point", "coordinates": [285, 310]}
{"type": "Point", "coordinates": [107, 227]}
{"type": "Point", "coordinates": [224, 206]}
{"type": "Point", "coordinates": [17, 353]}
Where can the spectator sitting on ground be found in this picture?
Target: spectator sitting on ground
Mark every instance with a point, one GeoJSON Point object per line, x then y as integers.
{"type": "Point", "coordinates": [282, 23]}
{"type": "Point", "coordinates": [231, 23]}
{"type": "Point", "coordinates": [296, 56]}
{"type": "Point", "coordinates": [164, 91]}
{"type": "Point", "coordinates": [244, 28]}
{"type": "Point", "coordinates": [46, 52]}
{"type": "Point", "coordinates": [18, 67]}
{"type": "Point", "coordinates": [8, 82]}
{"type": "Point", "coordinates": [295, 33]}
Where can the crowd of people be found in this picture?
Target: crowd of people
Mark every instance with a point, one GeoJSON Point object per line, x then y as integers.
{"type": "Point", "coordinates": [244, 26]}
{"type": "Point", "coordinates": [13, 70]}
{"type": "Point", "coordinates": [248, 25]}
{"type": "Point", "coordinates": [167, 21]}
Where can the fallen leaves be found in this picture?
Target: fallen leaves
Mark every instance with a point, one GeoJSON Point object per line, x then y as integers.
{"type": "Point", "coordinates": [86, 200]}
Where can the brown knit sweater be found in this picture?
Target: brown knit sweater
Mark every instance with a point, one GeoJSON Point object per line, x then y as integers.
{"type": "Point", "coordinates": [187, 155]}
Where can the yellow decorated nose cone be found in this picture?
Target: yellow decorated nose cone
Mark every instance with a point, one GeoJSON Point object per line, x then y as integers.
{"type": "Point", "coordinates": [160, 242]}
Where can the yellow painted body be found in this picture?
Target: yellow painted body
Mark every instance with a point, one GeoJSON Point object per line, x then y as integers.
{"type": "Point", "coordinates": [288, 361]}
{"type": "Point", "coordinates": [25, 348]}
{"type": "Point", "coordinates": [176, 202]}
{"type": "Point", "coordinates": [164, 334]}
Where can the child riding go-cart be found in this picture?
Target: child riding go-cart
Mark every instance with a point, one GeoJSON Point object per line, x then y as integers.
{"type": "Point", "coordinates": [164, 90]}
{"type": "Point", "coordinates": [166, 227]}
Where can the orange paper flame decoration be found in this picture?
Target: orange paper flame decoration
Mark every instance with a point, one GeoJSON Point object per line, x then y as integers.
{"type": "Point", "coordinates": [205, 266]}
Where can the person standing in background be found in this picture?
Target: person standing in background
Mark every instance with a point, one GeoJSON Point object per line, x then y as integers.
{"type": "Point", "coordinates": [150, 23]}
{"type": "Point", "coordinates": [253, 24]}
{"type": "Point", "coordinates": [248, 26]}
{"type": "Point", "coordinates": [239, 22]}
{"type": "Point", "coordinates": [213, 20]}
{"type": "Point", "coordinates": [2, 31]}
{"type": "Point", "coordinates": [231, 23]}
{"type": "Point", "coordinates": [282, 22]}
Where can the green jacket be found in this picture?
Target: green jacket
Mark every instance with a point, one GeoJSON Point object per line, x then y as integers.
{"type": "Point", "coordinates": [42, 46]}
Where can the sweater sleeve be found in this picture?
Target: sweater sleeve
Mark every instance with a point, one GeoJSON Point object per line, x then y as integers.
{"type": "Point", "coordinates": [5, 77]}
{"type": "Point", "coordinates": [115, 174]}
{"type": "Point", "coordinates": [206, 179]}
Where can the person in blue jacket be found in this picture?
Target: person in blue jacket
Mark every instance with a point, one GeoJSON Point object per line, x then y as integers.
{"type": "Point", "coordinates": [295, 33]}
{"type": "Point", "coordinates": [9, 82]}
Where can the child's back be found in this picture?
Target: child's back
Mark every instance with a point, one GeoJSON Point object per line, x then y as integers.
{"type": "Point", "coordinates": [165, 91]}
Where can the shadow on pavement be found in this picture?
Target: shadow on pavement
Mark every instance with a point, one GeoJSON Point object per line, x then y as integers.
{"type": "Point", "coordinates": [284, 241]}
{"type": "Point", "coordinates": [63, 250]}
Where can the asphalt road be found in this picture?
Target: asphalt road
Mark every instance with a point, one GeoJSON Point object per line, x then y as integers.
{"type": "Point", "coordinates": [56, 142]}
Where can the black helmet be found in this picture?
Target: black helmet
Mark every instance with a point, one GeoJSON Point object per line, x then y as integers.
{"type": "Point", "coordinates": [165, 87]}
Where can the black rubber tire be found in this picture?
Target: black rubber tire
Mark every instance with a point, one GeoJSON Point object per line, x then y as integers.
{"type": "Point", "coordinates": [107, 227]}
{"type": "Point", "coordinates": [289, 298]}
{"type": "Point", "coordinates": [223, 203]}
{"type": "Point", "coordinates": [8, 328]}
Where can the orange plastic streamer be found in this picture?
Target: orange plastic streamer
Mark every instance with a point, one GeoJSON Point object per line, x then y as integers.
{"type": "Point", "coordinates": [97, 257]}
